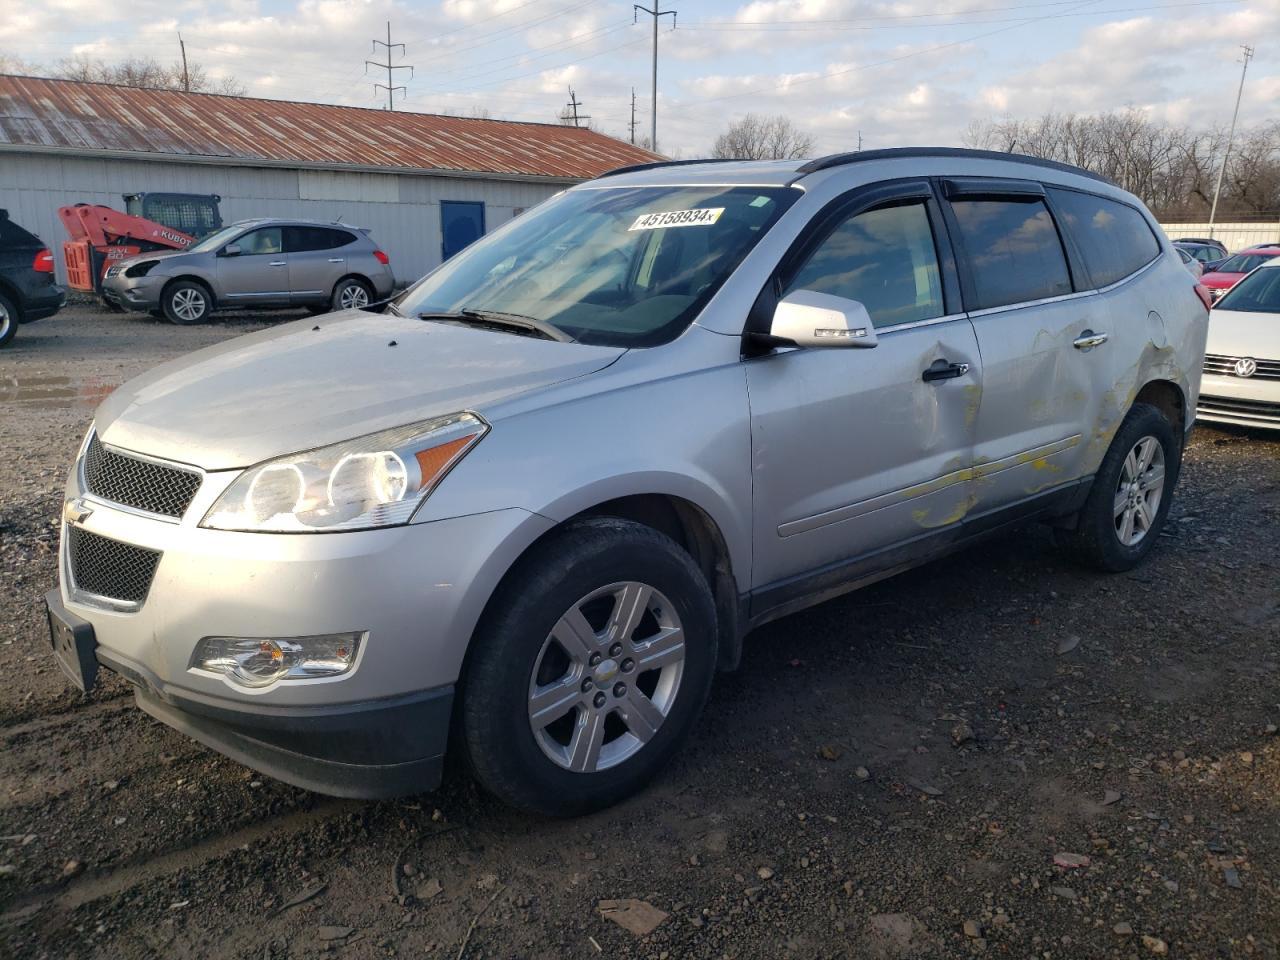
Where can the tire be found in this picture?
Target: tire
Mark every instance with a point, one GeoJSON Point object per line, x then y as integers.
{"type": "Point", "coordinates": [8, 321]}
{"type": "Point", "coordinates": [594, 566]}
{"type": "Point", "coordinates": [1119, 523]}
{"type": "Point", "coordinates": [351, 293]}
{"type": "Point", "coordinates": [110, 305]}
{"type": "Point", "coordinates": [186, 302]}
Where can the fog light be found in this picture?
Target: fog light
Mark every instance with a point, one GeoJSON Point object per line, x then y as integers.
{"type": "Point", "coordinates": [258, 661]}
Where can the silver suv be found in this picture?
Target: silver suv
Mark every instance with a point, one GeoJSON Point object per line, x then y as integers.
{"type": "Point", "coordinates": [256, 263]}
{"type": "Point", "coordinates": [539, 503]}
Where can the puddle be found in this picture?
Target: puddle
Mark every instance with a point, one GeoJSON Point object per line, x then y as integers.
{"type": "Point", "coordinates": [56, 391]}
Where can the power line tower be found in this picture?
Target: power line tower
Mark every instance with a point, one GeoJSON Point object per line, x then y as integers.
{"type": "Point", "coordinates": [633, 115]}
{"type": "Point", "coordinates": [1213, 209]}
{"type": "Point", "coordinates": [571, 108]}
{"type": "Point", "coordinates": [389, 86]}
{"type": "Point", "coordinates": [656, 14]}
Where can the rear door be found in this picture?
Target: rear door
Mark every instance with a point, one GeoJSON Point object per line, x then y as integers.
{"type": "Point", "coordinates": [1033, 321]}
{"type": "Point", "coordinates": [317, 261]}
{"type": "Point", "coordinates": [859, 450]}
{"type": "Point", "coordinates": [259, 273]}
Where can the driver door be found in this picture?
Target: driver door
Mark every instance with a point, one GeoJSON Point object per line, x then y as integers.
{"type": "Point", "coordinates": [861, 453]}
{"type": "Point", "coordinates": [259, 273]}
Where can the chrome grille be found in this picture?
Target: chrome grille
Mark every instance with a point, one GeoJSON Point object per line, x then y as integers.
{"type": "Point", "coordinates": [108, 568]}
{"type": "Point", "coordinates": [137, 483]}
{"type": "Point", "coordinates": [1224, 366]}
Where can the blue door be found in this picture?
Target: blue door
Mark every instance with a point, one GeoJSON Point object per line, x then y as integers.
{"type": "Point", "coordinates": [461, 223]}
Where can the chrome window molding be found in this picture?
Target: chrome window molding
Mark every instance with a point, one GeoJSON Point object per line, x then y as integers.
{"type": "Point", "coordinates": [914, 324]}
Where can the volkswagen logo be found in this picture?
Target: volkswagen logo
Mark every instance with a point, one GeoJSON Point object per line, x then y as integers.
{"type": "Point", "coordinates": [1246, 367]}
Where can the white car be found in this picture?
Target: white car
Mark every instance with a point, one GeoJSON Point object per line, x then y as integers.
{"type": "Point", "coordinates": [1241, 382]}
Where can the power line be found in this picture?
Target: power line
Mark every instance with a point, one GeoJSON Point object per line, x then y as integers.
{"type": "Point", "coordinates": [1213, 210]}
{"type": "Point", "coordinates": [656, 14]}
{"type": "Point", "coordinates": [389, 86]}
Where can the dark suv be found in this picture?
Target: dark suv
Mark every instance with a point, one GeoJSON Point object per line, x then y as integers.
{"type": "Point", "coordinates": [27, 290]}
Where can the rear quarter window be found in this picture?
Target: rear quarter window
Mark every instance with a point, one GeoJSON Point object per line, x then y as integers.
{"type": "Point", "coordinates": [1012, 249]}
{"type": "Point", "coordinates": [14, 236]}
{"type": "Point", "coordinates": [1113, 238]}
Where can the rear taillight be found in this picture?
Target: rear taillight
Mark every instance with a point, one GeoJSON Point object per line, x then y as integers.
{"type": "Point", "coordinates": [1203, 293]}
{"type": "Point", "coordinates": [381, 257]}
{"type": "Point", "coordinates": [43, 262]}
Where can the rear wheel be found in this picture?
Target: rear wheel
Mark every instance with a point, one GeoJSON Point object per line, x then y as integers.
{"type": "Point", "coordinates": [1131, 494]}
{"type": "Point", "coordinates": [351, 293]}
{"type": "Point", "coordinates": [589, 670]}
{"type": "Point", "coordinates": [8, 320]}
{"type": "Point", "coordinates": [186, 302]}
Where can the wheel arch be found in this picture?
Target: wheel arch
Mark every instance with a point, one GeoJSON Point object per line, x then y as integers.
{"type": "Point", "coordinates": [10, 293]}
{"type": "Point", "coordinates": [1167, 397]}
{"type": "Point", "coordinates": [190, 278]}
{"type": "Point", "coordinates": [351, 276]}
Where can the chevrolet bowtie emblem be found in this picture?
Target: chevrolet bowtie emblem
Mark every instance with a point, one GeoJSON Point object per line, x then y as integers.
{"type": "Point", "coordinates": [76, 511]}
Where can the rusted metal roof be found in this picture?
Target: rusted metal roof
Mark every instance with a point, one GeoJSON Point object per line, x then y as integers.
{"type": "Point", "coordinates": [67, 116]}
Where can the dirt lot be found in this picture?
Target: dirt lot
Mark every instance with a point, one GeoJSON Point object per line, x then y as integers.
{"type": "Point", "coordinates": [891, 774]}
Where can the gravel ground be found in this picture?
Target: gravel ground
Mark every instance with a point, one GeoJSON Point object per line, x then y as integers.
{"type": "Point", "coordinates": [997, 753]}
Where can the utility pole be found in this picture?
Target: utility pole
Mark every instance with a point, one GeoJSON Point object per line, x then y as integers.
{"type": "Point", "coordinates": [859, 141]}
{"type": "Point", "coordinates": [633, 115]}
{"type": "Point", "coordinates": [573, 104]}
{"type": "Point", "coordinates": [656, 14]}
{"type": "Point", "coordinates": [389, 86]}
{"type": "Point", "coordinates": [1213, 210]}
{"type": "Point", "coordinates": [186, 78]}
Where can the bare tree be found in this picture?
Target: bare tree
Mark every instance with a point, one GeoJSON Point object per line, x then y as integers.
{"type": "Point", "coordinates": [757, 137]}
{"type": "Point", "coordinates": [148, 73]}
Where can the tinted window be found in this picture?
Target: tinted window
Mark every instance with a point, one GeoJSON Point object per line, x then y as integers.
{"type": "Point", "coordinates": [1257, 293]}
{"type": "Point", "coordinates": [301, 239]}
{"type": "Point", "coordinates": [264, 241]}
{"type": "Point", "coordinates": [883, 258]}
{"type": "Point", "coordinates": [1114, 239]}
{"type": "Point", "coordinates": [1013, 251]}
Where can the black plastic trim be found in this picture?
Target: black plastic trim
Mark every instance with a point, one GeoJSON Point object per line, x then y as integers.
{"type": "Point", "coordinates": [891, 153]}
{"type": "Point", "coordinates": [995, 187]}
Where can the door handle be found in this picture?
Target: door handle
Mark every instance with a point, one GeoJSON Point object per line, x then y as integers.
{"type": "Point", "coordinates": [279, 263]}
{"type": "Point", "coordinates": [1088, 340]}
{"type": "Point", "coordinates": [942, 370]}
{"type": "Point", "coordinates": [337, 260]}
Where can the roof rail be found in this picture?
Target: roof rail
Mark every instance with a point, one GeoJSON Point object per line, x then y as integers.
{"type": "Point", "coordinates": [840, 159]}
{"type": "Point", "coordinates": [659, 163]}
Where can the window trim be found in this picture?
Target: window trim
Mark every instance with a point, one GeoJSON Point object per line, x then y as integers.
{"type": "Point", "coordinates": [822, 224]}
{"type": "Point", "coordinates": [968, 286]}
{"type": "Point", "coordinates": [1084, 270]}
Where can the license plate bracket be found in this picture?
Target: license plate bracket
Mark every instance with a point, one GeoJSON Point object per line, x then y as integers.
{"type": "Point", "coordinates": [74, 644]}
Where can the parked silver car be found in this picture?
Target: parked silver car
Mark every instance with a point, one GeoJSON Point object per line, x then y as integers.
{"type": "Point", "coordinates": [541, 501]}
{"type": "Point", "coordinates": [256, 263]}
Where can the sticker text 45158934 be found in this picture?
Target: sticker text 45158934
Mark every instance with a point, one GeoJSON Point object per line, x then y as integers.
{"type": "Point", "coordinates": [702, 217]}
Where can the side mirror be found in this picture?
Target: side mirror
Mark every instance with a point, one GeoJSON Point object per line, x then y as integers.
{"type": "Point", "coordinates": [231, 250]}
{"type": "Point", "coordinates": [810, 319]}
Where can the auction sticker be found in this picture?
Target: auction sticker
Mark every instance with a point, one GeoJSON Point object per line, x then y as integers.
{"type": "Point", "coordinates": [702, 217]}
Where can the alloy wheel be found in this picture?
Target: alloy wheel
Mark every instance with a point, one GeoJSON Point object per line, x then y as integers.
{"type": "Point", "coordinates": [6, 321]}
{"type": "Point", "coordinates": [1139, 491]}
{"type": "Point", "coordinates": [606, 677]}
{"type": "Point", "coordinates": [189, 304]}
{"type": "Point", "coordinates": [353, 296]}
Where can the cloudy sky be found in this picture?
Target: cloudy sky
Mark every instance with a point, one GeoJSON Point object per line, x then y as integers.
{"type": "Point", "coordinates": [898, 71]}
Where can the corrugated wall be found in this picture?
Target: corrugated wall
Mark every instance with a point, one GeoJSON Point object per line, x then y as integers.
{"type": "Point", "coordinates": [403, 212]}
{"type": "Point", "coordinates": [1236, 236]}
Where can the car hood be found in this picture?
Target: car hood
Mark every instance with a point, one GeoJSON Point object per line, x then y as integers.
{"type": "Point", "coordinates": [319, 381]}
{"type": "Point", "coordinates": [1242, 333]}
{"type": "Point", "coordinates": [1220, 280]}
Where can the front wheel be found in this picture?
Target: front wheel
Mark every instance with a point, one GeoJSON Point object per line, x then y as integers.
{"type": "Point", "coordinates": [1131, 494]}
{"type": "Point", "coordinates": [589, 669]}
{"type": "Point", "coordinates": [185, 303]}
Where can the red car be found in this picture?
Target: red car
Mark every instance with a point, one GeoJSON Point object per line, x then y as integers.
{"type": "Point", "coordinates": [1225, 276]}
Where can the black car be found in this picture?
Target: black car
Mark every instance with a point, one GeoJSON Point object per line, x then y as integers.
{"type": "Point", "coordinates": [1209, 253]}
{"type": "Point", "coordinates": [27, 290]}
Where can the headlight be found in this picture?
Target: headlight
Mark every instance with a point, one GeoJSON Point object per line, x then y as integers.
{"type": "Point", "coordinates": [377, 480]}
{"type": "Point", "coordinates": [140, 269]}
{"type": "Point", "coordinates": [258, 661]}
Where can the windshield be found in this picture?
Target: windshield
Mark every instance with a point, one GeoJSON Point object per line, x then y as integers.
{"type": "Point", "coordinates": [215, 240]}
{"type": "Point", "coordinates": [1257, 293]}
{"type": "Point", "coordinates": [622, 266]}
{"type": "Point", "coordinates": [1243, 262]}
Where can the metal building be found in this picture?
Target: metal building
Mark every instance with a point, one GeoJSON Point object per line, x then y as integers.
{"type": "Point", "coordinates": [424, 184]}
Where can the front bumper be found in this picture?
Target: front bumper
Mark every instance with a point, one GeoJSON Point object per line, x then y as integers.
{"type": "Point", "coordinates": [133, 293]}
{"type": "Point", "coordinates": [1243, 401]}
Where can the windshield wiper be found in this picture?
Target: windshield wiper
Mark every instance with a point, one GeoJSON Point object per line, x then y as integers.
{"type": "Point", "coordinates": [498, 318]}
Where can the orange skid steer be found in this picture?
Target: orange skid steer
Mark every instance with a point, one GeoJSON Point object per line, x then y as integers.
{"type": "Point", "coordinates": [101, 236]}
